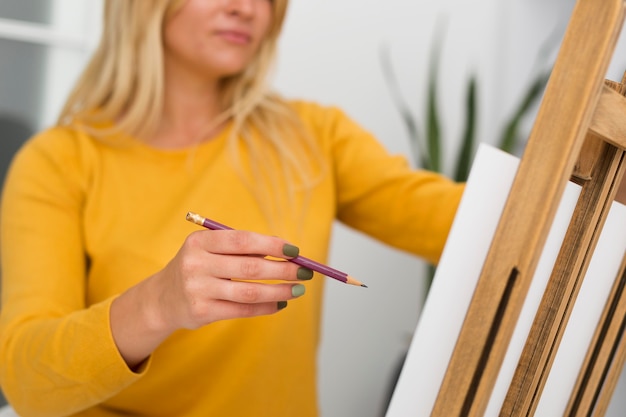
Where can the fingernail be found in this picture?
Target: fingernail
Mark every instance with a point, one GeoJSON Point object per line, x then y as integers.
{"type": "Point", "coordinates": [297, 290]}
{"type": "Point", "coordinates": [282, 304]}
{"type": "Point", "coordinates": [304, 274]}
{"type": "Point", "coordinates": [290, 250]}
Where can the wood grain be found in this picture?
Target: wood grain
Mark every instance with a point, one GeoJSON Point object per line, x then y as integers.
{"type": "Point", "coordinates": [564, 116]}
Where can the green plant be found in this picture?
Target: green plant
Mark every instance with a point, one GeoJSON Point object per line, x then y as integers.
{"type": "Point", "coordinates": [427, 144]}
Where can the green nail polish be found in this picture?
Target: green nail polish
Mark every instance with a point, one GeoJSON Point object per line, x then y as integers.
{"type": "Point", "coordinates": [290, 250]}
{"type": "Point", "coordinates": [297, 290]}
{"type": "Point", "coordinates": [282, 304]}
{"type": "Point", "coordinates": [304, 274]}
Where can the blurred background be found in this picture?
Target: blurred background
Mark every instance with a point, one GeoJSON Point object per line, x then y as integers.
{"type": "Point", "coordinates": [334, 52]}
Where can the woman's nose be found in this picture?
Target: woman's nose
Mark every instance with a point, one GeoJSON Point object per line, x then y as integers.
{"type": "Point", "coordinates": [241, 7]}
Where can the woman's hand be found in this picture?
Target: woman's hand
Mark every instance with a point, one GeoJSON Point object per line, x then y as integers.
{"type": "Point", "coordinates": [208, 280]}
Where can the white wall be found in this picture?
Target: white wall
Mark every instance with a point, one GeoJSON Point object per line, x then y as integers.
{"type": "Point", "coordinates": [78, 20]}
{"type": "Point", "coordinates": [329, 53]}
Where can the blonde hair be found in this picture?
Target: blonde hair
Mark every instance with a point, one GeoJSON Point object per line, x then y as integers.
{"type": "Point", "coordinates": [124, 83]}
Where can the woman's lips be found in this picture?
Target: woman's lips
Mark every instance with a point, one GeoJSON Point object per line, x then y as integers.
{"type": "Point", "coordinates": [235, 36]}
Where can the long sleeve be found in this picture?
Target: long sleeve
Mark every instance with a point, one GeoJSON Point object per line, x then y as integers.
{"type": "Point", "coordinates": [52, 346]}
{"type": "Point", "coordinates": [381, 195]}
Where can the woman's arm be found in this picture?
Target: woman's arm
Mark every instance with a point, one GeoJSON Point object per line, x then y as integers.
{"type": "Point", "coordinates": [195, 289]}
{"type": "Point", "coordinates": [61, 352]}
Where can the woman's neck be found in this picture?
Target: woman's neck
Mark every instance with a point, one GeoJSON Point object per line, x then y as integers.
{"type": "Point", "coordinates": [190, 112]}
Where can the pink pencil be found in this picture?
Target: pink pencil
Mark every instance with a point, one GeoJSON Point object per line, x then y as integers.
{"type": "Point", "coordinates": [299, 260]}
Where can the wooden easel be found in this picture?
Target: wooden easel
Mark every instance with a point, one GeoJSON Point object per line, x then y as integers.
{"type": "Point", "coordinates": [579, 133]}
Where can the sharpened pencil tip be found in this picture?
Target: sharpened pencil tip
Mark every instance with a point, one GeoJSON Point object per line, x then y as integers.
{"type": "Point", "coordinates": [350, 280]}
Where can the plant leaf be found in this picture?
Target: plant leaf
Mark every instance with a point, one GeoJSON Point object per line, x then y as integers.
{"type": "Point", "coordinates": [433, 129]}
{"type": "Point", "coordinates": [510, 133]}
{"type": "Point", "coordinates": [463, 163]}
{"type": "Point", "coordinates": [410, 123]}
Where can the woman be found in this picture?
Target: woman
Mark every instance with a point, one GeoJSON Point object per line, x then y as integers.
{"type": "Point", "coordinates": [113, 304]}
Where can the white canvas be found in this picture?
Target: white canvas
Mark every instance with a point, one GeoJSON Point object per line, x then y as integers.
{"type": "Point", "coordinates": [488, 186]}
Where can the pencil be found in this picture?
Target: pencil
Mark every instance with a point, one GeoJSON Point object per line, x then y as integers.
{"type": "Point", "coordinates": [298, 260]}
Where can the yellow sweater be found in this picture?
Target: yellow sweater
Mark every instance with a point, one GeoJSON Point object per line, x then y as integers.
{"type": "Point", "coordinates": [82, 220]}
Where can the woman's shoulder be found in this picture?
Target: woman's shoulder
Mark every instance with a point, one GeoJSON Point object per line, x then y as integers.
{"type": "Point", "coordinates": [330, 121]}
{"type": "Point", "coordinates": [63, 146]}
{"type": "Point", "coordinates": [58, 138]}
{"type": "Point", "coordinates": [312, 110]}
{"type": "Point", "coordinates": [323, 118]}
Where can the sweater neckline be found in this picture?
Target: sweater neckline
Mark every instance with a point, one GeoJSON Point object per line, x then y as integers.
{"type": "Point", "coordinates": [213, 141]}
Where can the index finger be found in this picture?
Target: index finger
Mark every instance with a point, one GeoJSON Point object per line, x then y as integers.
{"type": "Point", "coordinates": [241, 242]}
